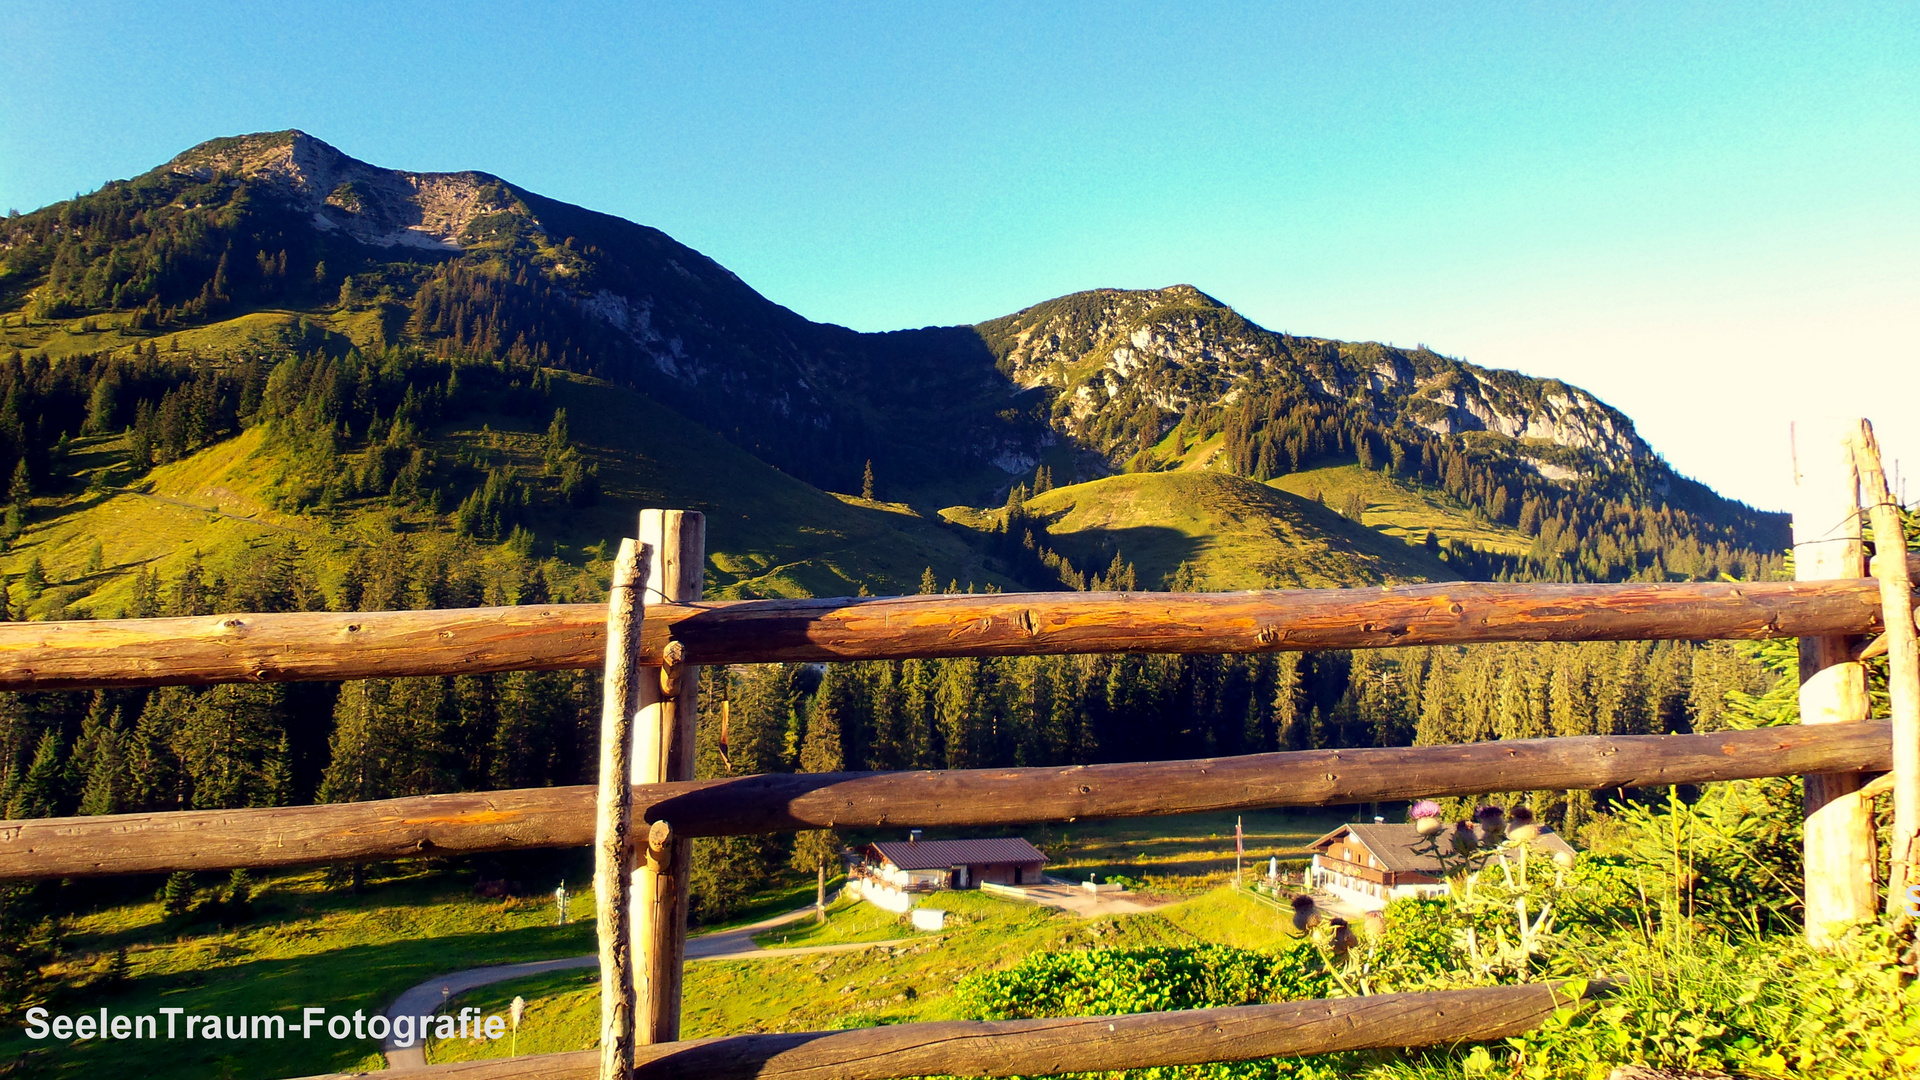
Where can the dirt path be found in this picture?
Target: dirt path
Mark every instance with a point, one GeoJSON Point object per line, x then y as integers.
{"type": "Point", "coordinates": [429, 997]}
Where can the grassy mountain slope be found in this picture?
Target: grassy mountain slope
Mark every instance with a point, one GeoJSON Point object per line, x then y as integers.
{"type": "Point", "coordinates": [1233, 533]}
{"type": "Point", "coordinates": [1400, 508]}
{"type": "Point", "coordinates": [768, 533]}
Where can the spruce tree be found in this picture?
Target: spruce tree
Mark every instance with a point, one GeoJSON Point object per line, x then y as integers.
{"type": "Point", "coordinates": [39, 793]}
{"type": "Point", "coordinates": [106, 784]}
{"type": "Point", "coordinates": [176, 896]}
{"type": "Point", "coordinates": [822, 751]}
{"type": "Point", "coordinates": [239, 888]}
{"type": "Point", "coordinates": [20, 489]}
{"type": "Point", "coordinates": [231, 745]}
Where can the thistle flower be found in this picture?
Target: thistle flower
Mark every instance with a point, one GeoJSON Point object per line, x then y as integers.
{"type": "Point", "coordinates": [1463, 839]}
{"type": "Point", "coordinates": [1343, 939]}
{"type": "Point", "coordinates": [515, 1011]}
{"type": "Point", "coordinates": [1493, 824]}
{"type": "Point", "coordinates": [1521, 825]}
{"type": "Point", "coordinates": [1376, 923]}
{"type": "Point", "coordinates": [1563, 859]}
{"type": "Point", "coordinates": [1426, 817]}
{"type": "Point", "coordinates": [1305, 914]}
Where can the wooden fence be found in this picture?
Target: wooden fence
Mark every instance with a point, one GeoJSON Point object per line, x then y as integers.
{"type": "Point", "coordinates": [646, 809]}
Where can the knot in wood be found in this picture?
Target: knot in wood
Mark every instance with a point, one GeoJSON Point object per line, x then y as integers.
{"type": "Point", "coordinates": [1267, 636]}
{"type": "Point", "coordinates": [1085, 789]}
{"type": "Point", "coordinates": [233, 624]}
{"type": "Point", "coordinates": [1454, 609]}
{"type": "Point", "coordinates": [673, 653]}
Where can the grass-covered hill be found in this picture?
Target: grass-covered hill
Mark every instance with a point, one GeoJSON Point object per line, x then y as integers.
{"type": "Point", "coordinates": [104, 519]}
{"type": "Point", "coordinates": [279, 243]}
{"type": "Point", "coordinates": [1227, 532]}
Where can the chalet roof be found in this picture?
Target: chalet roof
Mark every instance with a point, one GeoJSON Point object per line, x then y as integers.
{"type": "Point", "coordinates": [1395, 845]}
{"type": "Point", "coordinates": [940, 854]}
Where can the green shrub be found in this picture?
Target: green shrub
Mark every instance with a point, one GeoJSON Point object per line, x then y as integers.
{"type": "Point", "coordinates": [1110, 982]}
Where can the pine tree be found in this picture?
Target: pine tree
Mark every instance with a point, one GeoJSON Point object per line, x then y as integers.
{"type": "Point", "coordinates": [929, 585]}
{"type": "Point", "coordinates": [1182, 579]}
{"type": "Point", "coordinates": [20, 489]}
{"type": "Point", "coordinates": [39, 793]}
{"type": "Point", "coordinates": [962, 713]}
{"type": "Point", "coordinates": [239, 889]}
{"type": "Point", "coordinates": [176, 896]}
{"type": "Point", "coordinates": [866, 481]}
{"type": "Point", "coordinates": [823, 752]}
{"type": "Point", "coordinates": [107, 783]}
{"type": "Point", "coordinates": [229, 742]}
{"type": "Point", "coordinates": [1287, 699]}
{"type": "Point", "coordinates": [153, 771]}
{"type": "Point", "coordinates": [727, 869]}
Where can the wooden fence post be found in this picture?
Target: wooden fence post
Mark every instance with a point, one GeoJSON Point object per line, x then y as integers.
{"type": "Point", "coordinates": [1839, 841]}
{"type": "Point", "coordinates": [1903, 665]}
{"type": "Point", "coordinates": [613, 816]}
{"type": "Point", "coordinates": [663, 752]}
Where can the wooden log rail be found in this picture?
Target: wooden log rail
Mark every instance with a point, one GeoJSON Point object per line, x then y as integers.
{"type": "Point", "coordinates": [470, 823]}
{"type": "Point", "coordinates": [328, 646]}
{"type": "Point", "coordinates": [1078, 1044]}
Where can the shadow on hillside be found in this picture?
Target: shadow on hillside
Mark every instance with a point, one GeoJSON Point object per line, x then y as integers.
{"type": "Point", "coordinates": [274, 909]}
{"type": "Point", "coordinates": [42, 514]}
{"type": "Point", "coordinates": [1155, 551]}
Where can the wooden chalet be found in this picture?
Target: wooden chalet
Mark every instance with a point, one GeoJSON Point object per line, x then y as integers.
{"type": "Point", "coordinates": [1373, 864]}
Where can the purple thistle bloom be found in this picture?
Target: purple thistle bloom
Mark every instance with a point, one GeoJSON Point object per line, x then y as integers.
{"type": "Point", "coordinates": [1424, 808]}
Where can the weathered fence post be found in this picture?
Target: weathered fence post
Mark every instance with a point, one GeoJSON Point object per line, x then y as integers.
{"type": "Point", "coordinates": [663, 752]}
{"type": "Point", "coordinates": [1903, 664]}
{"type": "Point", "coordinates": [1839, 841]}
{"type": "Point", "coordinates": [613, 817]}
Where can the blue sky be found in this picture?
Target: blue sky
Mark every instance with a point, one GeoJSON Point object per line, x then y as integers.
{"type": "Point", "coordinates": [1709, 215]}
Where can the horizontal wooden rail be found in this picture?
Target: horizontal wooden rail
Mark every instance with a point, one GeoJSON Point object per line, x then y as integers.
{"type": "Point", "coordinates": [1094, 1044]}
{"type": "Point", "coordinates": [290, 647]}
{"type": "Point", "coordinates": [474, 822]}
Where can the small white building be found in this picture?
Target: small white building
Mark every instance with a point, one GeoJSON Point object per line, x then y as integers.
{"type": "Point", "coordinates": [889, 872]}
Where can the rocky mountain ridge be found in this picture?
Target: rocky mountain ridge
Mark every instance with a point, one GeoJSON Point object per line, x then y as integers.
{"type": "Point", "coordinates": [1177, 349]}
{"type": "Point", "coordinates": [1088, 384]}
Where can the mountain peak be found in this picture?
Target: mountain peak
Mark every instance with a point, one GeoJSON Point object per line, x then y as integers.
{"type": "Point", "coordinates": [1125, 358]}
{"type": "Point", "coordinates": [380, 207]}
